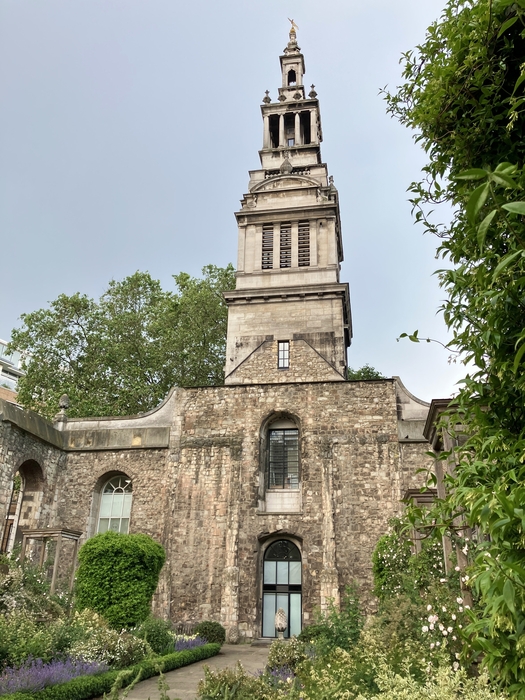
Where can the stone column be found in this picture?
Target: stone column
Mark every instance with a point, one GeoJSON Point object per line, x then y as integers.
{"type": "Point", "coordinates": [281, 130]}
{"type": "Point", "coordinates": [266, 131]}
{"type": "Point", "coordinates": [298, 141]}
{"type": "Point", "coordinates": [314, 136]}
{"type": "Point", "coordinates": [329, 574]}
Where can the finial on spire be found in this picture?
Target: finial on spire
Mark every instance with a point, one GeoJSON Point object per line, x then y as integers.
{"type": "Point", "coordinates": [293, 34]}
{"type": "Point", "coordinates": [267, 99]}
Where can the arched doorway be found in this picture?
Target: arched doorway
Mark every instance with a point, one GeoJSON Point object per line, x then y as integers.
{"type": "Point", "coordinates": [25, 503]}
{"type": "Point", "coordinates": [282, 579]}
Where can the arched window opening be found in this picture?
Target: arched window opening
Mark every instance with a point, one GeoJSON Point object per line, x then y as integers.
{"type": "Point", "coordinates": [25, 503]}
{"type": "Point", "coordinates": [283, 455]}
{"type": "Point", "coordinates": [8, 535]}
{"type": "Point", "coordinates": [292, 77]}
{"type": "Point", "coordinates": [115, 505]}
{"type": "Point", "coordinates": [282, 587]}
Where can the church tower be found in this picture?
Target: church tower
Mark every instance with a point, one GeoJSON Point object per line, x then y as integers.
{"type": "Point", "coordinates": [289, 316]}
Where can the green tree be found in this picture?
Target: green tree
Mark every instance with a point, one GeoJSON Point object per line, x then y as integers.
{"type": "Point", "coordinates": [464, 96]}
{"type": "Point", "coordinates": [122, 354]}
{"type": "Point", "coordinates": [364, 372]}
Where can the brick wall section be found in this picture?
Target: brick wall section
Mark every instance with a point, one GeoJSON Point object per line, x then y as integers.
{"type": "Point", "coordinates": [306, 365]}
{"type": "Point", "coordinates": [200, 496]}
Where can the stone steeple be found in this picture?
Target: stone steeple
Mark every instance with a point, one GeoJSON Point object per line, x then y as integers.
{"type": "Point", "coordinates": [289, 316]}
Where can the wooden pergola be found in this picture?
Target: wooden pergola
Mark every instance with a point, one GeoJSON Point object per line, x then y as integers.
{"type": "Point", "coordinates": [45, 535]}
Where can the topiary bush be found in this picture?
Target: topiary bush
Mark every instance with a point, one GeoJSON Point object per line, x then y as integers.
{"type": "Point", "coordinates": [158, 633]}
{"type": "Point", "coordinates": [213, 632]}
{"type": "Point", "coordinates": [118, 575]}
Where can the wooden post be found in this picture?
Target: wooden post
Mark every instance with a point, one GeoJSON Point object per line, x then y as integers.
{"type": "Point", "coordinates": [74, 566]}
{"type": "Point", "coordinates": [55, 565]}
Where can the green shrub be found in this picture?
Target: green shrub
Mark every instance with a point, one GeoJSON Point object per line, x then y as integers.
{"type": "Point", "coordinates": [286, 654]}
{"type": "Point", "coordinates": [86, 687]}
{"type": "Point", "coordinates": [158, 633]}
{"type": "Point", "coordinates": [311, 633]}
{"type": "Point", "coordinates": [340, 628]}
{"type": "Point", "coordinates": [25, 587]}
{"type": "Point", "coordinates": [118, 575]}
{"type": "Point", "coordinates": [390, 561]}
{"type": "Point", "coordinates": [236, 684]}
{"type": "Point", "coordinates": [213, 632]}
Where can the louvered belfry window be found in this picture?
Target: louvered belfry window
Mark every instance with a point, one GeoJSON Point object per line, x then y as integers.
{"type": "Point", "coordinates": [283, 471]}
{"type": "Point", "coordinates": [267, 247]}
{"type": "Point", "coordinates": [286, 245]}
{"type": "Point", "coordinates": [303, 247]}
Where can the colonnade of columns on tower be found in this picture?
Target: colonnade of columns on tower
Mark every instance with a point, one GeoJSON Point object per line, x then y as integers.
{"type": "Point", "coordinates": [285, 133]}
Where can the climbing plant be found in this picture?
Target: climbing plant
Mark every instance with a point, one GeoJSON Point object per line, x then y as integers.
{"type": "Point", "coordinates": [463, 94]}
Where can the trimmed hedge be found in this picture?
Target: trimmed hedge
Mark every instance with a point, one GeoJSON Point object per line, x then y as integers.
{"type": "Point", "coordinates": [212, 632]}
{"type": "Point", "coordinates": [85, 687]}
{"type": "Point", "coordinates": [117, 576]}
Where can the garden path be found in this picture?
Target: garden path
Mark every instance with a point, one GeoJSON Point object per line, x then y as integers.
{"type": "Point", "coordinates": [183, 681]}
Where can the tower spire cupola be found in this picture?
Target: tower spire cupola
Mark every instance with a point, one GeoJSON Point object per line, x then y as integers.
{"type": "Point", "coordinates": [292, 123]}
{"type": "Point", "coordinates": [292, 68]}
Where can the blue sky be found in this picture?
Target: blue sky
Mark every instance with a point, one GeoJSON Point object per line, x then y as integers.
{"type": "Point", "coordinates": [127, 129]}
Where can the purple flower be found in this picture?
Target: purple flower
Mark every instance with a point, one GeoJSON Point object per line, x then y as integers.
{"type": "Point", "coordinates": [34, 674]}
{"type": "Point", "coordinates": [184, 644]}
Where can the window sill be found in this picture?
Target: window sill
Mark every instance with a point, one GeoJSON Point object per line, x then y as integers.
{"type": "Point", "coordinates": [285, 512]}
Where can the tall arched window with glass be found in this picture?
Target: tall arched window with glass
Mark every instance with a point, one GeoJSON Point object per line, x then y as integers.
{"type": "Point", "coordinates": [283, 467]}
{"type": "Point", "coordinates": [115, 505]}
{"type": "Point", "coordinates": [282, 587]}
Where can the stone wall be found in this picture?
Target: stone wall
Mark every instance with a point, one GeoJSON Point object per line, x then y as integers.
{"type": "Point", "coordinates": [306, 365]}
{"type": "Point", "coordinates": [202, 496]}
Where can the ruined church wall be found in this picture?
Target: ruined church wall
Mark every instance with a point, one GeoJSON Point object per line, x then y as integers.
{"type": "Point", "coordinates": [16, 448]}
{"type": "Point", "coordinates": [351, 485]}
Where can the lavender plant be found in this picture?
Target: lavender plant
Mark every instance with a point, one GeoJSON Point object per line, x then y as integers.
{"type": "Point", "coordinates": [34, 674]}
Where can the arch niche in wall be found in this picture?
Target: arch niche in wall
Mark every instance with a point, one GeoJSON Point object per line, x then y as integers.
{"type": "Point", "coordinates": [282, 587]}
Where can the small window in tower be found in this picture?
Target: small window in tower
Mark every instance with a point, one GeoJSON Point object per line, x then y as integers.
{"type": "Point", "coordinates": [283, 359]}
{"type": "Point", "coordinates": [267, 247]}
{"type": "Point", "coordinates": [285, 256]}
{"type": "Point", "coordinates": [292, 78]}
{"type": "Point", "coordinates": [303, 246]}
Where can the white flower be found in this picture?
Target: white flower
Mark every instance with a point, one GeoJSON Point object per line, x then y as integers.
{"type": "Point", "coordinates": [449, 629]}
{"type": "Point", "coordinates": [442, 580]}
{"type": "Point", "coordinates": [459, 601]}
{"type": "Point", "coordinates": [438, 644]}
{"type": "Point", "coordinates": [431, 625]}
{"type": "Point", "coordinates": [453, 616]}
{"type": "Point", "coordinates": [429, 607]}
{"type": "Point", "coordinates": [455, 665]}
{"type": "Point", "coordinates": [424, 628]}
{"type": "Point", "coordinates": [444, 633]}
{"type": "Point", "coordinates": [432, 645]}
{"type": "Point", "coordinates": [444, 609]}
{"type": "Point", "coordinates": [456, 568]}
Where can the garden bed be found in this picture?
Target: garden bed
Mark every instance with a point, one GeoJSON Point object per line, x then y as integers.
{"type": "Point", "coordinates": [86, 687]}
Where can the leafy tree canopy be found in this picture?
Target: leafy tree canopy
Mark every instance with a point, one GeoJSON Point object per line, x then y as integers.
{"type": "Point", "coordinates": [364, 372]}
{"type": "Point", "coordinates": [122, 354]}
{"type": "Point", "coordinates": [464, 96]}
